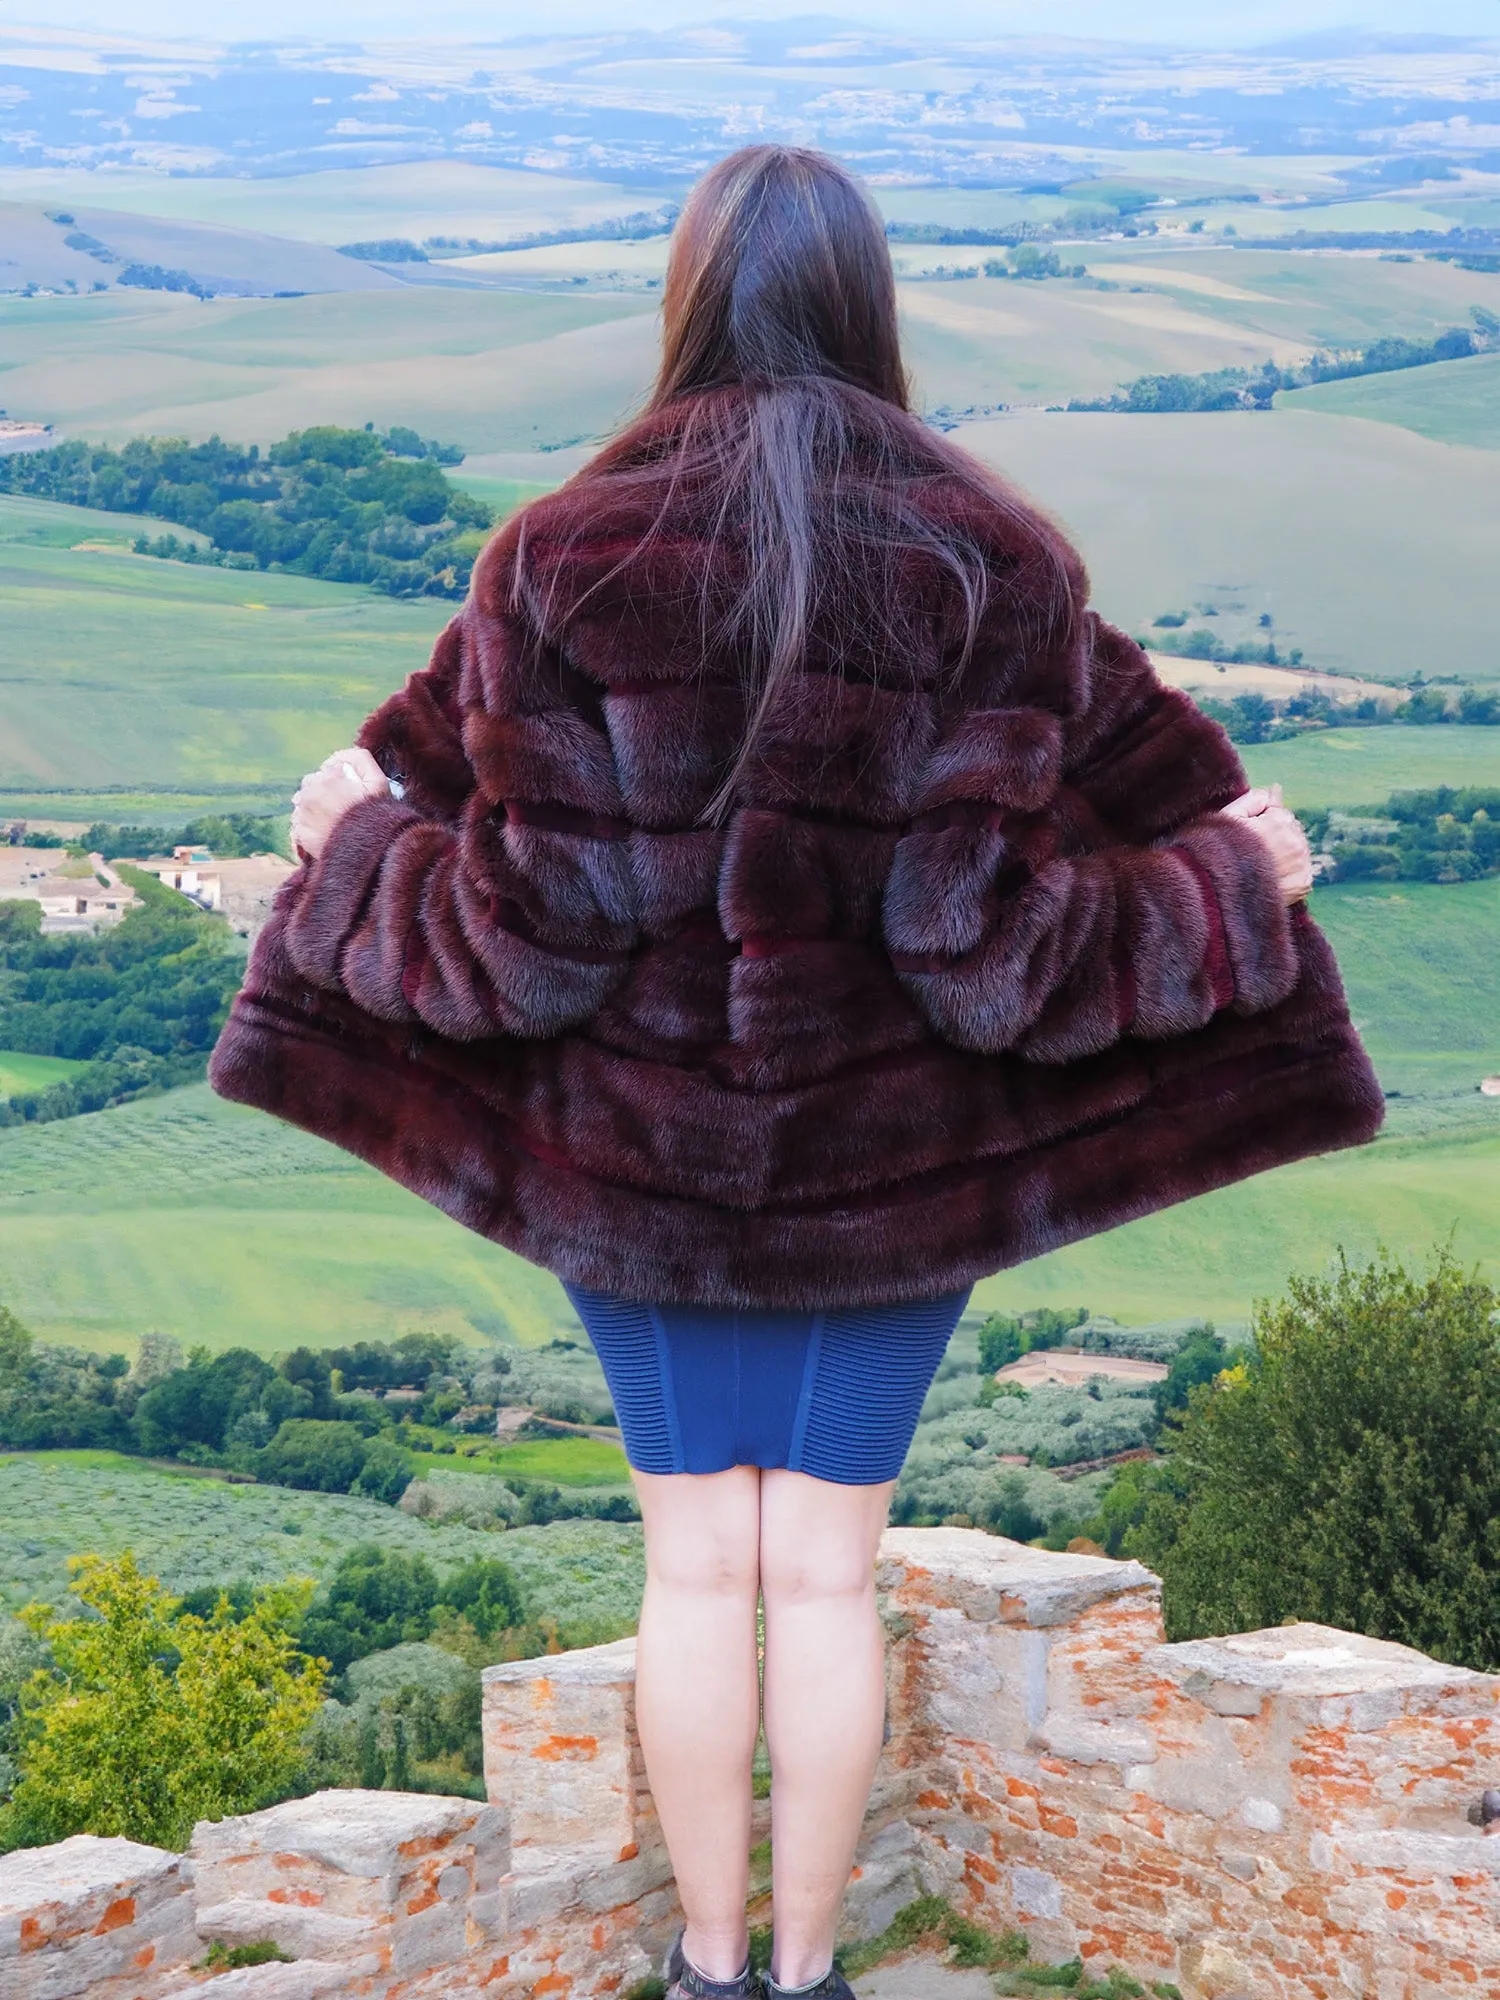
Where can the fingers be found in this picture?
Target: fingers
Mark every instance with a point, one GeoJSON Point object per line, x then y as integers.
{"type": "Point", "coordinates": [1249, 805]}
{"type": "Point", "coordinates": [355, 768]}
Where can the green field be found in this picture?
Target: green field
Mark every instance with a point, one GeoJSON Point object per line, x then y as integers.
{"type": "Point", "coordinates": [1359, 767]}
{"type": "Point", "coordinates": [218, 1225]}
{"type": "Point", "coordinates": [191, 1532]}
{"type": "Point", "coordinates": [1419, 963]}
{"type": "Point", "coordinates": [20, 1073]}
{"type": "Point", "coordinates": [1456, 402]}
{"type": "Point", "coordinates": [1366, 543]}
{"type": "Point", "coordinates": [120, 670]}
{"type": "Point", "coordinates": [562, 1461]}
{"type": "Point", "coordinates": [491, 370]}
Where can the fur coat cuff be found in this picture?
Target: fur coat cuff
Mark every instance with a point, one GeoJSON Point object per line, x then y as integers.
{"type": "Point", "coordinates": [1248, 912]}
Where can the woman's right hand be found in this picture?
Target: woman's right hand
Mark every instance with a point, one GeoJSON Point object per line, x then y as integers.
{"type": "Point", "coordinates": [1263, 812]}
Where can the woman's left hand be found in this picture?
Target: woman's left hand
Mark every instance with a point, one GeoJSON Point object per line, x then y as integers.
{"type": "Point", "coordinates": [326, 794]}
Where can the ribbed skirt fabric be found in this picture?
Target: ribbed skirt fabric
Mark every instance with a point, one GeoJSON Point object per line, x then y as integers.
{"type": "Point", "coordinates": [834, 1394]}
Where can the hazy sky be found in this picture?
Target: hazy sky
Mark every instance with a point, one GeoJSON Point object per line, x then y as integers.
{"type": "Point", "coordinates": [1188, 21]}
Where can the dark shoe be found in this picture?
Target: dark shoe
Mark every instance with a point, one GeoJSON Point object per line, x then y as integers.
{"type": "Point", "coordinates": [834, 1987]}
{"type": "Point", "coordinates": [686, 1982]}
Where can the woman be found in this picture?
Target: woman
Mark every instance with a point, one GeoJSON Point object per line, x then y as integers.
{"type": "Point", "coordinates": [780, 903]}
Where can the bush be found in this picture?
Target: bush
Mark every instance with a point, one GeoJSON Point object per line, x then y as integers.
{"type": "Point", "coordinates": [1348, 1472]}
{"type": "Point", "coordinates": [321, 1457]}
{"type": "Point", "coordinates": [385, 1474]}
{"type": "Point", "coordinates": [379, 1599]}
{"type": "Point", "coordinates": [150, 1722]}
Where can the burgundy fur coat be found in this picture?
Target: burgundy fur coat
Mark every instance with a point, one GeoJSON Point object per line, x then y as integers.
{"type": "Point", "coordinates": [971, 970]}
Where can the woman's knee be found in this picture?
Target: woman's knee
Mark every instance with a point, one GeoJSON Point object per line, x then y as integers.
{"type": "Point", "coordinates": [702, 1531]}
{"type": "Point", "coordinates": [818, 1540]}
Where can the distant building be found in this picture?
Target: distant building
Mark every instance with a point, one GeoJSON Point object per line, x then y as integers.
{"type": "Point", "coordinates": [82, 900]}
{"type": "Point", "coordinates": [1491, 1086]}
{"type": "Point", "coordinates": [242, 890]}
{"type": "Point", "coordinates": [192, 870]}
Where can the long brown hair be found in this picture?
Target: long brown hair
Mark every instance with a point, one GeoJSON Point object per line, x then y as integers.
{"type": "Point", "coordinates": [780, 283]}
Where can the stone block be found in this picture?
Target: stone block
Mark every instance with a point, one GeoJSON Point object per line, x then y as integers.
{"type": "Point", "coordinates": [384, 1881]}
{"type": "Point", "coordinates": [888, 1874]}
{"type": "Point", "coordinates": [302, 1931]}
{"type": "Point", "coordinates": [1357, 1681]}
{"type": "Point", "coordinates": [561, 1753]}
{"type": "Point", "coordinates": [101, 1917]}
{"type": "Point", "coordinates": [1077, 1741]}
{"type": "Point", "coordinates": [995, 1581]}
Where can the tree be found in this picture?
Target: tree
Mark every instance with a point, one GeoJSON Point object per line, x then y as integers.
{"type": "Point", "coordinates": [1200, 1358]}
{"type": "Point", "coordinates": [321, 1457]}
{"type": "Point", "coordinates": [485, 1591]}
{"type": "Point", "coordinates": [385, 1474]}
{"type": "Point", "coordinates": [149, 1722]}
{"type": "Point", "coordinates": [375, 1599]}
{"type": "Point", "coordinates": [197, 1404]}
{"type": "Point", "coordinates": [999, 1343]}
{"type": "Point", "coordinates": [1348, 1471]}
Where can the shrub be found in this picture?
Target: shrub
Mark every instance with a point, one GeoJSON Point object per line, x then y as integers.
{"type": "Point", "coordinates": [1348, 1471]}
{"type": "Point", "coordinates": [322, 1457]}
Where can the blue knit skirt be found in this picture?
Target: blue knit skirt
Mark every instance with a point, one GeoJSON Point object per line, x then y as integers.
{"type": "Point", "coordinates": [834, 1394]}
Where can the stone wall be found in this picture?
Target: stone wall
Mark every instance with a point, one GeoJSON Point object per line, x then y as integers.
{"type": "Point", "coordinates": [1277, 1816]}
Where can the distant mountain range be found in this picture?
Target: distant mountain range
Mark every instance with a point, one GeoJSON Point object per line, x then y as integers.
{"type": "Point", "coordinates": [654, 108]}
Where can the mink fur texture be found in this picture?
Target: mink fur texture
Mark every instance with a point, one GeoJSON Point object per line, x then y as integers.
{"type": "Point", "coordinates": [972, 967]}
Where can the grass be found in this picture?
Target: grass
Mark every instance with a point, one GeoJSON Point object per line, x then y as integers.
{"type": "Point", "coordinates": [1456, 402]}
{"type": "Point", "coordinates": [561, 1461]}
{"type": "Point", "coordinates": [1366, 543]}
{"type": "Point", "coordinates": [21, 1073]}
{"type": "Point", "coordinates": [159, 677]}
{"type": "Point", "coordinates": [192, 1532]}
{"type": "Point", "coordinates": [219, 1225]}
{"type": "Point", "coordinates": [1355, 767]}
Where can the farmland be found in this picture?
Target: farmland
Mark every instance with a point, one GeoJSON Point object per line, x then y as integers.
{"type": "Point", "coordinates": [493, 370]}
{"type": "Point", "coordinates": [160, 678]}
{"type": "Point", "coordinates": [1454, 403]}
{"type": "Point", "coordinates": [1371, 547]}
{"type": "Point", "coordinates": [1360, 767]}
{"type": "Point", "coordinates": [192, 1532]}
{"type": "Point", "coordinates": [219, 1226]}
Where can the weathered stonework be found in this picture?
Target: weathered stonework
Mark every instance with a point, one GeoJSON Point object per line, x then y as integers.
{"type": "Point", "coordinates": [1277, 1816]}
{"type": "Point", "coordinates": [96, 1917]}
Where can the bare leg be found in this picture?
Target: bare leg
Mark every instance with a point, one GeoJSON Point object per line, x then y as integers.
{"type": "Point", "coordinates": [697, 1702]}
{"type": "Point", "coordinates": [824, 1700]}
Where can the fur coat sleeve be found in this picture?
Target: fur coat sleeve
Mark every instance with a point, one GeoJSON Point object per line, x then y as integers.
{"type": "Point", "coordinates": [1068, 879]}
{"type": "Point", "coordinates": [442, 907]}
